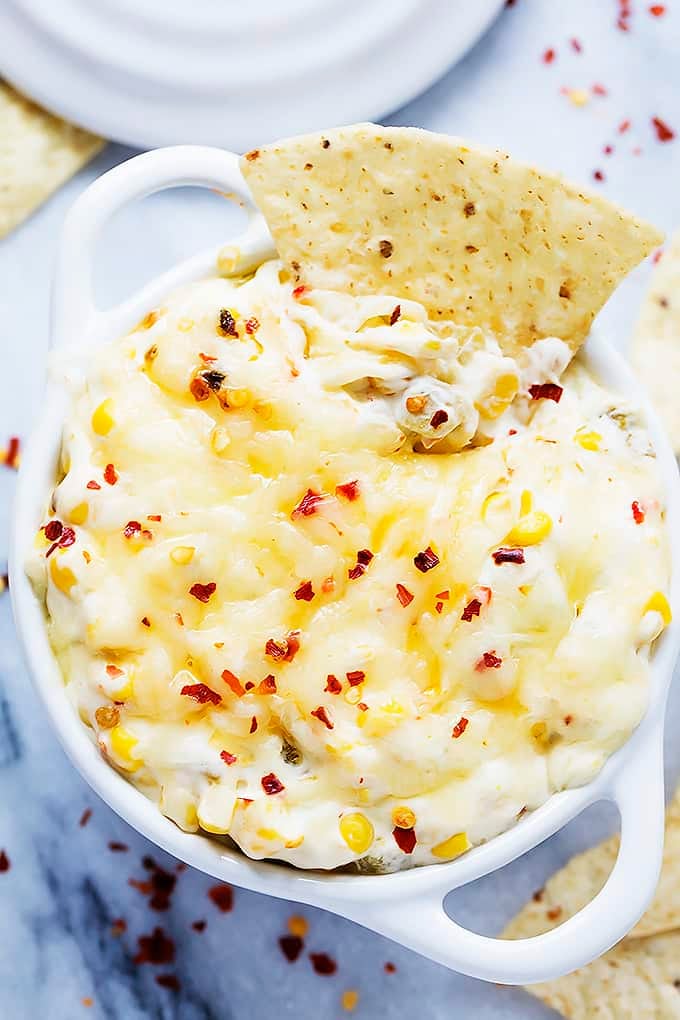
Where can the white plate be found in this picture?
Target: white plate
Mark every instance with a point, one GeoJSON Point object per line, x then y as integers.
{"type": "Point", "coordinates": [233, 73]}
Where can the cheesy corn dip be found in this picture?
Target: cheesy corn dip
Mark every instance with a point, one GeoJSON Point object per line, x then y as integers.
{"type": "Point", "coordinates": [345, 585]}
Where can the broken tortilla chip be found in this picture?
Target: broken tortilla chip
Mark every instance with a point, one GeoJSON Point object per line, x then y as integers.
{"type": "Point", "coordinates": [637, 980]}
{"type": "Point", "coordinates": [38, 153]}
{"type": "Point", "coordinates": [471, 234]}
{"type": "Point", "coordinates": [655, 353]}
{"type": "Point", "coordinates": [580, 880]}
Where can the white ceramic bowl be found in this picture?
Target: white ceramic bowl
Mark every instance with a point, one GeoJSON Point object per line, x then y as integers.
{"type": "Point", "coordinates": [406, 906]}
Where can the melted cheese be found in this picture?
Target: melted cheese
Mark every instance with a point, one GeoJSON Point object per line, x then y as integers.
{"type": "Point", "coordinates": [205, 477]}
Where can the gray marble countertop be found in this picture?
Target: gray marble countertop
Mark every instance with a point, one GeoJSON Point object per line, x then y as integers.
{"type": "Point", "coordinates": [62, 954]}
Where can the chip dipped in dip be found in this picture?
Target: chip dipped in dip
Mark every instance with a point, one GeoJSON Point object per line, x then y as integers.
{"type": "Point", "coordinates": [348, 578]}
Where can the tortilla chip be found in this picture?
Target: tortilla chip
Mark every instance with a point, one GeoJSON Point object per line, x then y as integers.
{"type": "Point", "coordinates": [637, 980]}
{"type": "Point", "coordinates": [38, 152]}
{"type": "Point", "coordinates": [467, 231]}
{"type": "Point", "coordinates": [655, 353]}
{"type": "Point", "coordinates": [575, 885]}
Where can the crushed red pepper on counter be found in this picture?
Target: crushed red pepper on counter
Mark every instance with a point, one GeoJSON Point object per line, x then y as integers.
{"type": "Point", "coordinates": [426, 560]}
{"type": "Point", "coordinates": [202, 694]}
{"type": "Point", "coordinates": [549, 56]}
{"type": "Point", "coordinates": [118, 927]}
{"type": "Point", "coordinates": [304, 592]}
{"type": "Point", "coordinates": [663, 132]}
{"type": "Point", "coordinates": [170, 981]}
{"type": "Point", "coordinates": [405, 839]}
{"type": "Point", "coordinates": [460, 727]}
{"type": "Point", "coordinates": [118, 848]}
{"type": "Point", "coordinates": [546, 391]}
{"type": "Point", "coordinates": [222, 896]}
{"type": "Point", "coordinates": [323, 963]}
{"type": "Point", "coordinates": [159, 887]}
{"type": "Point", "coordinates": [199, 926]}
{"type": "Point", "coordinates": [156, 948]}
{"type": "Point", "coordinates": [291, 947]}
{"type": "Point", "coordinates": [85, 817]}
{"type": "Point", "coordinates": [404, 595]}
{"type": "Point", "coordinates": [390, 968]}
{"type": "Point", "coordinates": [11, 457]}
{"type": "Point", "coordinates": [4, 861]}
{"type": "Point", "coordinates": [203, 592]}
{"type": "Point", "coordinates": [271, 784]}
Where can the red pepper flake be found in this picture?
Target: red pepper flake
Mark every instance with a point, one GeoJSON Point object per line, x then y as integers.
{"type": "Point", "coordinates": [305, 592]}
{"type": "Point", "coordinates": [156, 948]}
{"type": "Point", "coordinates": [348, 490]}
{"type": "Point", "coordinates": [154, 517]}
{"type": "Point", "coordinates": [623, 127]}
{"type": "Point", "coordinates": [598, 176]}
{"type": "Point", "coordinates": [146, 622]}
{"type": "Point", "coordinates": [438, 606]}
{"type": "Point", "coordinates": [568, 719]}
{"type": "Point", "coordinates": [12, 453]}
{"type": "Point", "coordinates": [546, 391]}
{"type": "Point", "coordinates": [202, 694]}
{"type": "Point", "coordinates": [508, 555]}
{"type": "Point", "coordinates": [271, 784]}
{"type": "Point", "coordinates": [118, 848]}
{"type": "Point", "coordinates": [608, 150]}
{"type": "Point", "coordinates": [110, 475]}
{"type": "Point", "coordinates": [203, 592]}
{"type": "Point", "coordinates": [354, 572]}
{"type": "Point", "coordinates": [657, 10]}
{"type": "Point", "coordinates": [472, 609]}
{"type": "Point", "coordinates": [85, 817]}
{"type": "Point", "coordinates": [553, 913]}
{"type": "Point", "coordinates": [199, 389]}
{"type": "Point", "coordinates": [249, 685]}
{"type": "Point", "coordinates": [355, 677]}
{"type": "Point", "coordinates": [333, 685]}
{"type": "Point", "coordinates": [576, 45]}
{"type": "Point", "coordinates": [228, 758]}
{"type": "Point", "coordinates": [199, 926]}
{"type": "Point", "coordinates": [291, 947]}
{"type": "Point", "coordinates": [118, 927]}
{"type": "Point", "coordinates": [252, 325]}
{"type": "Point", "coordinates": [321, 714]}
{"type": "Point", "coordinates": [299, 292]}
{"type": "Point", "coordinates": [268, 685]}
{"type": "Point", "coordinates": [488, 661]}
{"type": "Point", "coordinates": [328, 584]}
{"type": "Point", "coordinates": [53, 530]}
{"type": "Point", "coordinates": [308, 505]}
{"type": "Point", "coordinates": [227, 323]}
{"type": "Point", "coordinates": [460, 727]}
{"type": "Point", "coordinates": [170, 981]}
{"type": "Point", "coordinates": [207, 359]}
{"type": "Point", "coordinates": [389, 967]}
{"type": "Point", "coordinates": [396, 312]}
{"type": "Point", "coordinates": [663, 132]}
{"type": "Point", "coordinates": [323, 963]}
{"type": "Point", "coordinates": [404, 595]}
{"type": "Point", "coordinates": [638, 512]}
{"type": "Point", "coordinates": [67, 537]}
{"type": "Point", "coordinates": [548, 56]}
{"type": "Point", "coordinates": [132, 528]}
{"type": "Point", "coordinates": [363, 707]}
{"type": "Point", "coordinates": [4, 862]}
{"type": "Point", "coordinates": [93, 485]}
{"type": "Point", "coordinates": [222, 896]}
{"type": "Point", "coordinates": [405, 839]}
{"type": "Point", "coordinates": [159, 887]}
{"type": "Point", "coordinates": [253, 724]}
{"type": "Point", "coordinates": [599, 90]}
{"type": "Point", "coordinates": [438, 418]}
{"type": "Point", "coordinates": [426, 560]}
{"type": "Point", "coordinates": [234, 683]}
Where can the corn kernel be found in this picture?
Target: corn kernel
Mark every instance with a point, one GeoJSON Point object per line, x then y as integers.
{"type": "Point", "coordinates": [63, 577]}
{"type": "Point", "coordinates": [79, 513]}
{"type": "Point", "coordinates": [123, 744]}
{"type": "Point", "coordinates": [182, 554]}
{"type": "Point", "coordinates": [526, 502]}
{"type": "Point", "coordinates": [297, 925]}
{"type": "Point", "coordinates": [102, 418]}
{"type": "Point", "coordinates": [587, 439]}
{"type": "Point", "coordinates": [357, 832]}
{"type": "Point", "coordinates": [539, 733]}
{"type": "Point", "coordinates": [495, 502]}
{"type": "Point", "coordinates": [403, 817]}
{"type": "Point", "coordinates": [271, 835]}
{"type": "Point", "coordinates": [504, 392]}
{"type": "Point", "coordinates": [293, 844]}
{"type": "Point", "coordinates": [658, 603]}
{"type": "Point", "coordinates": [452, 847]}
{"type": "Point", "coordinates": [191, 817]}
{"type": "Point", "coordinates": [216, 810]}
{"type": "Point", "coordinates": [238, 397]}
{"type": "Point", "coordinates": [530, 529]}
{"type": "Point", "coordinates": [125, 692]}
{"type": "Point", "coordinates": [353, 695]}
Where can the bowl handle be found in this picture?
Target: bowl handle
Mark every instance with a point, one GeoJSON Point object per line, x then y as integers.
{"type": "Point", "coordinates": [422, 924]}
{"type": "Point", "coordinates": [74, 311]}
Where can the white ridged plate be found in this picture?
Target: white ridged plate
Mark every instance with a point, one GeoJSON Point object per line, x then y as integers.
{"type": "Point", "coordinates": [231, 73]}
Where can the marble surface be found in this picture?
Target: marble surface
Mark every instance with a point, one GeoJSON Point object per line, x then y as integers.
{"type": "Point", "coordinates": [60, 957]}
